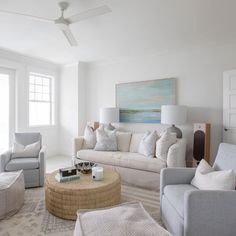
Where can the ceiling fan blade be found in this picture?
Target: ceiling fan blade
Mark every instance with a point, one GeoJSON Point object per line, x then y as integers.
{"type": "Point", "coordinates": [28, 16]}
{"type": "Point", "coordinates": [70, 37]}
{"type": "Point", "coordinates": [89, 13]}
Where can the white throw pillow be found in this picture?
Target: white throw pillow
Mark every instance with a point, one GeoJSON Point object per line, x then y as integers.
{"type": "Point", "coordinates": [89, 138]}
{"type": "Point", "coordinates": [31, 150]}
{"type": "Point", "coordinates": [148, 144]}
{"type": "Point", "coordinates": [123, 141]}
{"type": "Point", "coordinates": [207, 179]}
{"type": "Point", "coordinates": [135, 141]}
{"type": "Point", "coordinates": [163, 144]}
{"type": "Point", "coordinates": [106, 141]}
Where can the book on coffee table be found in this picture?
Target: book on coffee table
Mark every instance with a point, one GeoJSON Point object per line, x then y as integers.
{"type": "Point", "coordinates": [61, 179]}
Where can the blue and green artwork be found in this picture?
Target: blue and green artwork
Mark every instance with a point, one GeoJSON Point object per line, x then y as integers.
{"type": "Point", "coordinates": [140, 102]}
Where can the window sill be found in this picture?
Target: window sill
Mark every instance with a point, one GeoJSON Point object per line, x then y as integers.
{"type": "Point", "coordinates": [42, 126]}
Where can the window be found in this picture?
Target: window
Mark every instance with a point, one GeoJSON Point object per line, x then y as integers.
{"type": "Point", "coordinates": [41, 105]}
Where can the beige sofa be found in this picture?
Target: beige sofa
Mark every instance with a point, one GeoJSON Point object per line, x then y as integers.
{"type": "Point", "coordinates": [135, 169]}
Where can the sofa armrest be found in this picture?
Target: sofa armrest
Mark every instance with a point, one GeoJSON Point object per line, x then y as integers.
{"type": "Point", "coordinates": [42, 165]}
{"type": "Point", "coordinates": [4, 159]}
{"type": "Point", "coordinates": [77, 145]}
{"type": "Point", "coordinates": [172, 176]}
{"type": "Point", "coordinates": [176, 154]}
{"type": "Point", "coordinates": [210, 212]}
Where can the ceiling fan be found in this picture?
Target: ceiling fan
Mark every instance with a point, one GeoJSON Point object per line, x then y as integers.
{"type": "Point", "coordinates": [63, 23]}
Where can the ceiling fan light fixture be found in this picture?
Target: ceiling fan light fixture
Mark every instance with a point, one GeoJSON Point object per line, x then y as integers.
{"type": "Point", "coordinates": [63, 23]}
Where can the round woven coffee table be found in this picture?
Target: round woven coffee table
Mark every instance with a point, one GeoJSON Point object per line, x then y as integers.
{"type": "Point", "coordinates": [64, 199]}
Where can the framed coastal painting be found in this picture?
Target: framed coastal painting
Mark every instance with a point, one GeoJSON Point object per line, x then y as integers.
{"type": "Point", "coordinates": [140, 102]}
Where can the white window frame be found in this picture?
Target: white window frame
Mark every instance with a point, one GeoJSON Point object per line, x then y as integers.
{"type": "Point", "coordinates": [51, 76]}
{"type": "Point", "coordinates": [12, 105]}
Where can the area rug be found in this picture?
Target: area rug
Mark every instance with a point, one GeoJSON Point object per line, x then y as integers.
{"type": "Point", "coordinates": [34, 220]}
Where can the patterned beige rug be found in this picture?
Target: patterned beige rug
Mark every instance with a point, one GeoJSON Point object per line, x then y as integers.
{"type": "Point", "coordinates": [34, 220]}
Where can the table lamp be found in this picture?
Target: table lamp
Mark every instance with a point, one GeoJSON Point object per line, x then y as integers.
{"type": "Point", "coordinates": [174, 115]}
{"type": "Point", "coordinates": [109, 115]}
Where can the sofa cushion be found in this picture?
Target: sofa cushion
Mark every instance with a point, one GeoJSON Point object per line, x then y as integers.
{"type": "Point", "coordinates": [163, 144]}
{"type": "Point", "coordinates": [103, 157]}
{"type": "Point", "coordinates": [175, 195]}
{"type": "Point", "coordinates": [106, 140]}
{"type": "Point", "coordinates": [28, 163]}
{"type": "Point", "coordinates": [135, 141]}
{"type": "Point", "coordinates": [139, 161]}
{"type": "Point", "coordinates": [147, 144]}
{"type": "Point", "coordinates": [123, 159]}
{"type": "Point", "coordinates": [123, 141]}
{"type": "Point", "coordinates": [89, 138]}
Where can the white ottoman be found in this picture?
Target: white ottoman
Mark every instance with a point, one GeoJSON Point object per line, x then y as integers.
{"type": "Point", "coordinates": [12, 189]}
{"type": "Point", "coordinates": [127, 219]}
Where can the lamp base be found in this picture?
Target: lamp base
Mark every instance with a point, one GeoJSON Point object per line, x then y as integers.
{"type": "Point", "coordinates": [110, 127]}
{"type": "Point", "coordinates": [174, 129]}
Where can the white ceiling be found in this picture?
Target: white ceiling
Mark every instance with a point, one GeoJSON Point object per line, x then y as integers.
{"type": "Point", "coordinates": [134, 27]}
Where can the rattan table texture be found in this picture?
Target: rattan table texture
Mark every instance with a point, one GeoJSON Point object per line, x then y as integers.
{"type": "Point", "coordinates": [64, 199]}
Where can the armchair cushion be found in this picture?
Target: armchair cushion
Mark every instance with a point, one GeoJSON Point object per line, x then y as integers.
{"type": "Point", "coordinates": [175, 195]}
{"type": "Point", "coordinates": [174, 176]}
{"type": "Point", "coordinates": [208, 179]}
{"type": "Point", "coordinates": [28, 163]}
{"type": "Point", "coordinates": [30, 150]}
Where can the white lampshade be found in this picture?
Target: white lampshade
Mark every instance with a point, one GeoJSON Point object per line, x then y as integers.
{"type": "Point", "coordinates": [173, 114]}
{"type": "Point", "coordinates": [109, 115]}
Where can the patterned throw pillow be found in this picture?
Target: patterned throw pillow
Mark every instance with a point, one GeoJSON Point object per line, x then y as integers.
{"type": "Point", "coordinates": [106, 140]}
{"type": "Point", "coordinates": [148, 144]}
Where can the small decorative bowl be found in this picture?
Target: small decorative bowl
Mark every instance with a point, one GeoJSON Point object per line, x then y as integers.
{"type": "Point", "coordinates": [85, 167]}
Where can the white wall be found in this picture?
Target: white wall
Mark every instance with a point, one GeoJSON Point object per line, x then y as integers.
{"type": "Point", "coordinates": [82, 91]}
{"type": "Point", "coordinates": [21, 65]}
{"type": "Point", "coordinates": [72, 105]}
{"type": "Point", "coordinates": [68, 107]}
{"type": "Point", "coordinates": [199, 84]}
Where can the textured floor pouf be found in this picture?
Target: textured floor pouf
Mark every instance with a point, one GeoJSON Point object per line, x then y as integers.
{"type": "Point", "coordinates": [127, 219]}
{"type": "Point", "coordinates": [12, 188]}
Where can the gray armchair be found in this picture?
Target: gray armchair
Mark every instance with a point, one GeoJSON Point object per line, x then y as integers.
{"type": "Point", "coordinates": [188, 211]}
{"type": "Point", "coordinates": [33, 167]}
